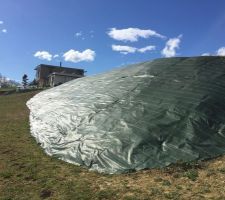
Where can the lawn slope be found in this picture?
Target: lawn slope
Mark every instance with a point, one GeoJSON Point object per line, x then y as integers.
{"type": "Point", "coordinates": [26, 172]}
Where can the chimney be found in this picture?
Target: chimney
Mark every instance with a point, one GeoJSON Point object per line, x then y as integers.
{"type": "Point", "coordinates": [60, 64]}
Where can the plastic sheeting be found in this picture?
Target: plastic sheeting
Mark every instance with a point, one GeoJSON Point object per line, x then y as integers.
{"type": "Point", "coordinates": [145, 115]}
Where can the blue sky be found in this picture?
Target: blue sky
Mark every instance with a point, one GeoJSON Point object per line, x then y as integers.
{"type": "Point", "coordinates": [99, 35]}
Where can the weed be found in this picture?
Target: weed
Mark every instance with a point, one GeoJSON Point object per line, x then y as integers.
{"type": "Point", "coordinates": [155, 191]}
{"type": "Point", "coordinates": [158, 179]}
{"type": "Point", "coordinates": [6, 174]}
{"type": "Point", "coordinates": [166, 183]}
{"type": "Point", "coordinates": [45, 193]}
{"type": "Point", "coordinates": [172, 195]}
{"type": "Point", "coordinates": [106, 194]}
{"type": "Point", "coordinates": [222, 170]}
{"type": "Point", "coordinates": [192, 174]}
{"type": "Point", "coordinates": [179, 187]}
{"type": "Point", "coordinates": [204, 189]}
{"type": "Point", "coordinates": [6, 198]}
{"type": "Point", "coordinates": [131, 198]}
{"type": "Point", "coordinates": [177, 175]}
{"type": "Point", "coordinates": [210, 172]}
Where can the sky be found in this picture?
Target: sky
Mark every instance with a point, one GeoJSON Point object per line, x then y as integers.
{"type": "Point", "coordinates": [99, 35]}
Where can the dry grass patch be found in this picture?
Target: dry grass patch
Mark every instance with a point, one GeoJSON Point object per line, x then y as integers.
{"type": "Point", "coordinates": [26, 172]}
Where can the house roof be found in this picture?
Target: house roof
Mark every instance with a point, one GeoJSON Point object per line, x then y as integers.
{"type": "Point", "coordinates": [54, 66]}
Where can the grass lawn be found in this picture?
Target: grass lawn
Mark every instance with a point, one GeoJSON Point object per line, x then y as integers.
{"type": "Point", "coordinates": [6, 89]}
{"type": "Point", "coordinates": [3, 90]}
{"type": "Point", "coordinates": [26, 172]}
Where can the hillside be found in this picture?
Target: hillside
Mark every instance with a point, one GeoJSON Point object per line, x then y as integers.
{"type": "Point", "coordinates": [26, 172]}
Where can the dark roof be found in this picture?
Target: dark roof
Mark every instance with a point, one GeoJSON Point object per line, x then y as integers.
{"type": "Point", "coordinates": [53, 66]}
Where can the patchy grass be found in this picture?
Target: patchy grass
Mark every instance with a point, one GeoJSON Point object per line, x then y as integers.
{"type": "Point", "coordinates": [7, 89]}
{"type": "Point", "coordinates": [26, 172]}
{"type": "Point", "coordinates": [4, 91]}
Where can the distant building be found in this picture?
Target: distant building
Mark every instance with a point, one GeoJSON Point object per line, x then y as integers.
{"type": "Point", "coordinates": [57, 78]}
{"type": "Point", "coordinates": [50, 75]}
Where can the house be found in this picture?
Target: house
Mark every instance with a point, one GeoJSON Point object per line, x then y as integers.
{"type": "Point", "coordinates": [57, 78]}
{"type": "Point", "coordinates": [50, 75]}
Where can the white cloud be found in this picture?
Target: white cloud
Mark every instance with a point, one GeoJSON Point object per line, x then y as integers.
{"type": "Point", "coordinates": [91, 33]}
{"type": "Point", "coordinates": [56, 56]}
{"type": "Point", "coordinates": [221, 51]}
{"type": "Point", "coordinates": [147, 48]}
{"type": "Point", "coordinates": [124, 49]}
{"type": "Point", "coordinates": [132, 34]}
{"type": "Point", "coordinates": [84, 36]}
{"type": "Point", "coordinates": [4, 30]}
{"type": "Point", "coordinates": [128, 49]}
{"type": "Point", "coordinates": [205, 54]}
{"type": "Point", "coordinates": [171, 46]}
{"type": "Point", "coordinates": [78, 34]}
{"type": "Point", "coordinates": [43, 55]}
{"type": "Point", "coordinates": [1, 22]}
{"type": "Point", "coordinates": [77, 56]}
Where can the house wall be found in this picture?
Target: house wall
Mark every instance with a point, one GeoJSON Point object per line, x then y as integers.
{"type": "Point", "coordinates": [59, 79]}
{"type": "Point", "coordinates": [42, 76]}
{"type": "Point", "coordinates": [43, 72]}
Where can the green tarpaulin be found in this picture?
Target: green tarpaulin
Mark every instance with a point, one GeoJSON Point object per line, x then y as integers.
{"type": "Point", "coordinates": [145, 115]}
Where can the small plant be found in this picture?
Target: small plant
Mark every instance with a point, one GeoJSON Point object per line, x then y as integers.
{"type": "Point", "coordinates": [6, 174]}
{"type": "Point", "coordinates": [205, 189]}
{"type": "Point", "coordinates": [166, 183]}
{"type": "Point", "coordinates": [222, 170]}
{"type": "Point", "coordinates": [131, 198]}
{"type": "Point", "coordinates": [179, 187]}
{"type": "Point", "coordinates": [45, 193]}
{"type": "Point", "coordinates": [155, 191]}
{"type": "Point", "coordinates": [192, 174]}
{"type": "Point", "coordinates": [210, 172]}
{"type": "Point", "coordinates": [105, 194]}
{"type": "Point", "coordinates": [172, 195]}
{"type": "Point", "coordinates": [177, 175]}
{"type": "Point", "coordinates": [158, 179]}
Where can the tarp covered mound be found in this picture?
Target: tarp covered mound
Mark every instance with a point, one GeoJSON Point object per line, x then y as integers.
{"type": "Point", "coordinates": [145, 115]}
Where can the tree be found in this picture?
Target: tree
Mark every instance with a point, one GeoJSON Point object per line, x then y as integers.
{"type": "Point", "coordinates": [33, 83]}
{"type": "Point", "coordinates": [24, 81]}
